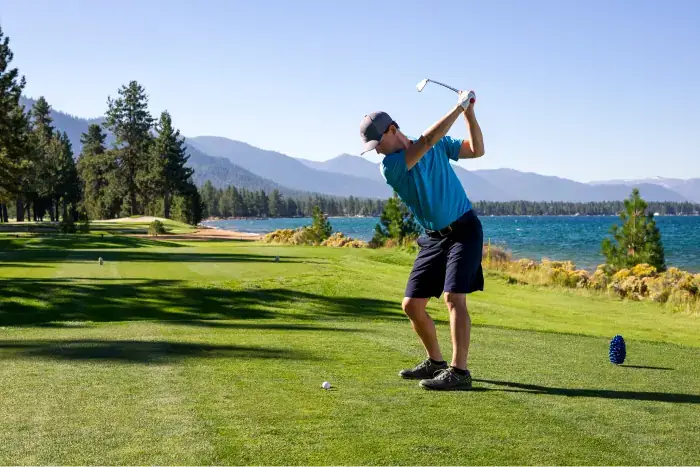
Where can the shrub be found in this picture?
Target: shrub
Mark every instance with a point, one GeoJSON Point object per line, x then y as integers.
{"type": "Point", "coordinates": [495, 255]}
{"type": "Point", "coordinates": [566, 265]}
{"type": "Point", "coordinates": [85, 226]}
{"type": "Point", "coordinates": [279, 236]}
{"type": "Point", "coordinates": [305, 236]}
{"type": "Point", "coordinates": [621, 275]}
{"type": "Point", "coordinates": [67, 225]}
{"type": "Point", "coordinates": [580, 278]}
{"type": "Point", "coordinates": [339, 240]}
{"type": "Point", "coordinates": [156, 227]}
{"type": "Point", "coordinates": [355, 244]}
{"type": "Point", "coordinates": [526, 265]}
{"type": "Point", "coordinates": [658, 289]}
{"type": "Point", "coordinates": [643, 270]}
{"type": "Point", "coordinates": [599, 280]}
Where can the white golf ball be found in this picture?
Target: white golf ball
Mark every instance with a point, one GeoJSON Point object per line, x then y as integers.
{"type": "Point", "coordinates": [326, 385]}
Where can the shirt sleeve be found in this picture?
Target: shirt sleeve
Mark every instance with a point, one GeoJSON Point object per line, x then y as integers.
{"type": "Point", "coordinates": [452, 147]}
{"type": "Point", "coordinates": [394, 167]}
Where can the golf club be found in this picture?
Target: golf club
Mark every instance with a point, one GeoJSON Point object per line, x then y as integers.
{"type": "Point", "coordinates": [422, 84]}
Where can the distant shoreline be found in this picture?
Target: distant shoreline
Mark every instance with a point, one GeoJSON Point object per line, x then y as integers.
{"type": "Point", "coordinates": [254, 218]}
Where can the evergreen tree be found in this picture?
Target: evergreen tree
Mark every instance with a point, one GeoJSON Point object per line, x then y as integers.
{"type": "Point", "coordinates": [277, 207]}
{"type": "Point", "coordinates": [187, 205]}
{"type": "Point", "coordinates": [210, 200]}
{"type": "Point", "coordinates": [15, 143]}
{"type": "Point", "coordinates": [168, 173]}
{"type": "Point", "coordinates": [41, 118]}
{"type": "Point", "coordinates": [321, 225]}
{"type": "Point", "coordinates": [291, 208]}
{"type": "Point", "coordinates": [42, 183]}
{"type": "Point", "coordinates": [129, 120]}
{"type": "Point", "coordinates": [96, 166]}
{"type": "Point", "coordinates": [68, 188]}
{"type": "Point", "coordinates": [637, 241]}
{"type": "Point", "coordinates": [396, 222]}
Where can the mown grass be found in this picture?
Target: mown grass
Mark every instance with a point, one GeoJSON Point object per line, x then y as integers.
{"type": "Point", "coordinates": [214, 353]}
{"type": "Point", "coordinates": [115, 226]}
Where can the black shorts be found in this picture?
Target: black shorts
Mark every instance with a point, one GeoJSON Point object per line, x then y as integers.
{"type": "Point", "coordinates": [451, 263]}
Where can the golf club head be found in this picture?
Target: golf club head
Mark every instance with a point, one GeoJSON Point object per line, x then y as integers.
{"type": "Point", "coordinates": [421, 85]}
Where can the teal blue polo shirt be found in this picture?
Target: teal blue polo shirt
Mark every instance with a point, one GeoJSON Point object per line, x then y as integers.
{"type": "Point", "coordinates": [431, 189]}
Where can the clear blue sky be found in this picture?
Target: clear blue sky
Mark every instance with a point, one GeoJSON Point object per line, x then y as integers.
{"type": "Point", "coordinates": [585, 90]}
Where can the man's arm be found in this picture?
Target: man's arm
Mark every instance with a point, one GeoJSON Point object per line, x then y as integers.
{"type": "Point", "coordinates": [431, 136]}
{"type": "Point", "coordinates": [474, 146]}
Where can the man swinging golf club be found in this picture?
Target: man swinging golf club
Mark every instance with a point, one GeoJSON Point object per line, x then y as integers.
{"type": "Point", "coordinates": [449, 260]}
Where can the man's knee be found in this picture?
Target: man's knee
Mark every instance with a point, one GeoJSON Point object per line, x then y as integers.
{"type": "Point", "coordinates": [456, 301]}
{"type": "Point", "coordinates": [414, 307]}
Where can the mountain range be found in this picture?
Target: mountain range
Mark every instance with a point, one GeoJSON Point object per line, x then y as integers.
{"type": "Point", "coordinates": [228, 162]}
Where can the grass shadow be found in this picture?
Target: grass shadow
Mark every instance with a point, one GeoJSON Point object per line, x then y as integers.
{"type": "Point", "coordinates": [599, 393]}
{"type": "Point", "coordinates": [648, 367]}
{"type": "Point", "coordinates": [38, 255]}
{"type": "Point", "coordinates": [36, 301]}
{"type": "Point", "coordinates": [37, 242]}
{"type": "Point", "coordinates": [263, 326]}
{"type": "Point", "coordinates": [132, 351]}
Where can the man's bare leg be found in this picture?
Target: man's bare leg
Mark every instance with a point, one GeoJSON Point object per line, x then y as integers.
{"type": "Point", "coordinates": [423, 325]}
{"type": "Point", "coordinates": [460, 327]}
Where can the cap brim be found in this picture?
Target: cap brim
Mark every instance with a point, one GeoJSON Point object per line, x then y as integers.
{"type": "Point", "coordinates": [369, 146]}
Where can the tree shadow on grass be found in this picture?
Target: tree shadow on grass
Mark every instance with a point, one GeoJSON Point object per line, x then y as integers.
{"type": "Point", "coordinates": [643, 367]}
{"type": "Point", "coordinates": [4, 264]}
{"type": "Point", "coordinates": [79, 242]}
{"type": "Point", "coordinates": [262, 326]}
{"type": "Point", "coordinates": [132, 351]}
{"type": "Point", "coordinates": [600, 393]}
{"type": "Point", "coordinates": [30, 302]}
{"type": "Point", "coordinates": [39, 255]}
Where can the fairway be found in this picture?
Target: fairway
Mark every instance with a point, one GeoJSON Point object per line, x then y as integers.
{"type": "Point", "coordinates": [211, 352]}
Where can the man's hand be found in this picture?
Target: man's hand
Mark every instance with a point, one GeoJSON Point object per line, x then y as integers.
{"type": "Point", "coordinates": [474, 146]}
{"type": "Point", "coordinates": [466, 99]}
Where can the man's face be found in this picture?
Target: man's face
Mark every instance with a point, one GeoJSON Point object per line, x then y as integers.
{"type": "Point", "coordinates": [389, 142]}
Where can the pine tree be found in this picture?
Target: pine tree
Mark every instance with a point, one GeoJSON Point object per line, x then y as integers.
{"type": "Point", "coordinates": [210, 200]}
{"type": "Point", "coordinates": [396, 222]}
{"type": "Point", "coordinates": [15, 143]}
{"type": "Point", "coordinates": [168, 174]}
{"type": "Point", "coordinates": [320, 224]}
{"type": "Point", "coordinates": [277, 207]}
{"type": "Point", "coordinates": [188, 205]}
{"type": "Point", "coordinates": [637, 241]}
{"type": "Point", "coordinates": [68, 188]}
{"type": "Point", "coordinates": [95, 167]}
{"type": "Point", "coordinates": [129, 120]}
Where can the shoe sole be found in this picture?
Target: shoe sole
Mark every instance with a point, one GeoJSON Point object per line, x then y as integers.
{"type": "Point", "coordinates": [457, 388]}
{"type": "Point", "coordinates": [465, 387]}
{"type": "Point", "coordinates": [414, 377]}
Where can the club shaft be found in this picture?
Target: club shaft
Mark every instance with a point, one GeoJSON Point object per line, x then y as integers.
{"type": "Point", "coordinates": [443, 84]}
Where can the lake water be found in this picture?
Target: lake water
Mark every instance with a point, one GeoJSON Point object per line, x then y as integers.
{"type": "Point", "coordinates": [555, 237]}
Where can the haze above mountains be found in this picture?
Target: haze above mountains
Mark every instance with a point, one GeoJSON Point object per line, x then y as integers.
{"type": "Point", "coordinates": [228, 162]}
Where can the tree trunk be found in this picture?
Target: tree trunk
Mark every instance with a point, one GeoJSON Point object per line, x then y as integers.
{"type": "Point", "coordinates": [20, 208]}
{"type": "Point", "coordinates": [65, 210]}
{"type": "Point", "coordinates": [4, 213]}
{"type": "Point", "coordinates": [51, 211]}
{"type": "Point", "coordinates": [166, 205]}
